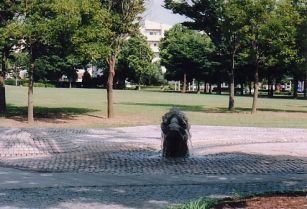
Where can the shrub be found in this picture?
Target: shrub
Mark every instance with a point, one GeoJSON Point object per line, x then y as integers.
{"type": "Point", "coordinates": [203, 203]}
{"type": "Point", "coordinates": [10, 81]}
{"type": "Point", "coordinates": [38, 84]}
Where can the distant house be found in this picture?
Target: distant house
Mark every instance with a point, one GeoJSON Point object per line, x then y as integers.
{"type": "Point", "coordinates": [92, 70]}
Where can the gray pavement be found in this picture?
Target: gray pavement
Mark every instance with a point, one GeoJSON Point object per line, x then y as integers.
{"type": "Point", "coordinates": [123, 168]}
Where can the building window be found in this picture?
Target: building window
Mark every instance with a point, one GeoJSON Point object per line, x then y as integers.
{"type": "Point", "coordinates": [154, 33]}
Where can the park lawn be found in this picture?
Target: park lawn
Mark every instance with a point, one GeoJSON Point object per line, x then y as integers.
{"type": "Point", "coordinates": [87, 108]}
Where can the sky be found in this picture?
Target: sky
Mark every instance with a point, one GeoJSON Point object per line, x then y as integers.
{"type": "Point", "coordinates": [155, 12]}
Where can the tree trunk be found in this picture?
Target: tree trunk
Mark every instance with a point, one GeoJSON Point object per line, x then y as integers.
{"type": "Point", "coordinates": [30, 94]}
{"type": "Point", "coordinates": [219, 88]}
{"type": "Point", "coordinates": [16, 75]}
{"type": "Point", "coordinates": [111, 74]}
{"type": "Point", "coordinates": [231, 105]}
{"type": "Point", "coordinates": [272, 90]}
{"type": "Point", "coordinates": [205, 87]}
{"type": "Point", "coordinates": [198, 87]}
{"type": "Point", "coordinates": [2, 94]}
{"type": "Point", "coordinates": [305, 88]}
{"type": "Point", "coordinates": [184, 83]}
{"type": "Point", "coordinates": [242, 89]}
{"type": "Point", "coordinates": [270, 87]}
{"type": "Point", "coordinates": [250, 88]}
{"type": "Point", "coordinates": [2, 84]}
{"type": "Point", "coordinates": [295, 89]}
{"type": "Point", "coordinates": [2, 100]}
{"type": "Point", "coordinates": [210, 88]}
{"type": "Point", "coordinates": [256, 87]}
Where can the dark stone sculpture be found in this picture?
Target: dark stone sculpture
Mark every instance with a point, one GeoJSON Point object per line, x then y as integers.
{"type": "Point", "coordinates": [175, 134]}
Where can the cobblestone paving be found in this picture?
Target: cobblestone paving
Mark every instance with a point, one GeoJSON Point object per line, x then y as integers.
{"type": "Point", "coordinates": [114, 151]}
{"type": "Point", "coordinates": [136, 151]}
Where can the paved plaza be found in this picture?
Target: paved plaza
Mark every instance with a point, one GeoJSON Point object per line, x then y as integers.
{"type": "Point", "coordinates": [123, 168]}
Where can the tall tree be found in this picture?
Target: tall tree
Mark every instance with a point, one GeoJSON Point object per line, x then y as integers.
{"type": "Point", "coordinates": [186, 54]}
{"type": "Point", "coordinates": [224, 22]}
{"type": "Point", "coordinates": [299, 66]}
{"type": "Point", "coordinates": [81, 36]}
{"type": "Point", "coordinates": [7, 12]}
{"type": "Point", "coordinates": [271, 34]}
{"type": "Point", "coordinates": [135, 60]}
{"type": "Point", "coordinates": [90, 39]}
{"type": "Point", "coordinates": [45, 24]}
{"type": "Point", "coordinates": [34, 29]}
{"type": "Point", "coordinates": [124, 22]}
{"type": "Point", "coordinates": [233, 27]}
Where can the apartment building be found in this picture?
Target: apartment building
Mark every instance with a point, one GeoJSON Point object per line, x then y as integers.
{"type": "Point", "coordinates": [154, 31]}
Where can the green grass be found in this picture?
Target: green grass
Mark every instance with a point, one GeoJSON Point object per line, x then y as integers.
{"type": "Point", "coordinates": [151, 105]}
{"type": "Point", "coordinates": [203, 203]}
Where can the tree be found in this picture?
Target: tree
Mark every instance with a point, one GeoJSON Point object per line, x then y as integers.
{"type": "Point", "coordinates": [124, 22]}
{"type": "Point", "coordinates": [185, 53]}
{"type": "Point", "coordinates": [135, 60]}
{"type": "Point", "coordinates": [90, 38]}
{"type": "Point", "coordinates": [35, 32]}
{"type": "Point", "coordinates": [44, 28]}
{"type": "Point", "coordinates": [271, 34]}
{"type": "Point", "coordinates": [299, 66]}
{"type": "Point", "coordinates": [18, 61]}
{"type": "Point", "coordinates": [86, 79]}
{"type": "Point", "coordinates": [81, 37]}
{"type": "Point", "coordinates": [7, 12]}
{"type": "Point", "coordinates": [224, 22]}
{"type": "Point", "coordinates": [233, 27]}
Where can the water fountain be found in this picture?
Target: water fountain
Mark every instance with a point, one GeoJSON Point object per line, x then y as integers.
{"type": "Point", "coordinates": [175, 134]}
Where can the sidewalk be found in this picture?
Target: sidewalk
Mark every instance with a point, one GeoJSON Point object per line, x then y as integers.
{"type": "Point", "coordinates": [122, 167]}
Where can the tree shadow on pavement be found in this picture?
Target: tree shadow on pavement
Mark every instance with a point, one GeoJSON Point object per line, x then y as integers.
{"type": "Point", "coordinates": [261, 173]}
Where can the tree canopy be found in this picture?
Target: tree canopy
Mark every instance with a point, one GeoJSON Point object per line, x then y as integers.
{"type": "Point", "coordinates": [124, 17]}
{"type": "Point", "coordinates": [135, 61]}
{"type": "Point", "coordinates": [186, 53]}
{"type": "Point", "coordinates": [263, 34]}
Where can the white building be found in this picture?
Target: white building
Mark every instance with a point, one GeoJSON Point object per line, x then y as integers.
{"type": "Point", "coordinates": [154, 32]}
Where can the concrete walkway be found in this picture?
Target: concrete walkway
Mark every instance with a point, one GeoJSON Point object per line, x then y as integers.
{"type": "Point", "coordinates": [122, 167]}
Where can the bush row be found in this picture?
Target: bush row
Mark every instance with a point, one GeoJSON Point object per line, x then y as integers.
{"type": "Point", "coordinates": [25, 83]}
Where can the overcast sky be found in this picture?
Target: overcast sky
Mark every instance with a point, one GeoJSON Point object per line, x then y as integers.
{"type": "Point", "coordinates": [155, 12]}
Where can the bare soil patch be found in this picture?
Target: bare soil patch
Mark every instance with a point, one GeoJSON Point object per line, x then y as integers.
{"type": "Point", "coordinates": [271, 202]}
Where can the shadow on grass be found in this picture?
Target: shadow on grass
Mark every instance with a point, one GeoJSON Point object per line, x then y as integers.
{"type": "Point", "coordinates": [244, 109]}
{"type": "Point", "coordinates": [200, 108]}
{"type": "Point", "coordinates": [192, 108]}
{"type": "Point", "coordinates": [19, 113]}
